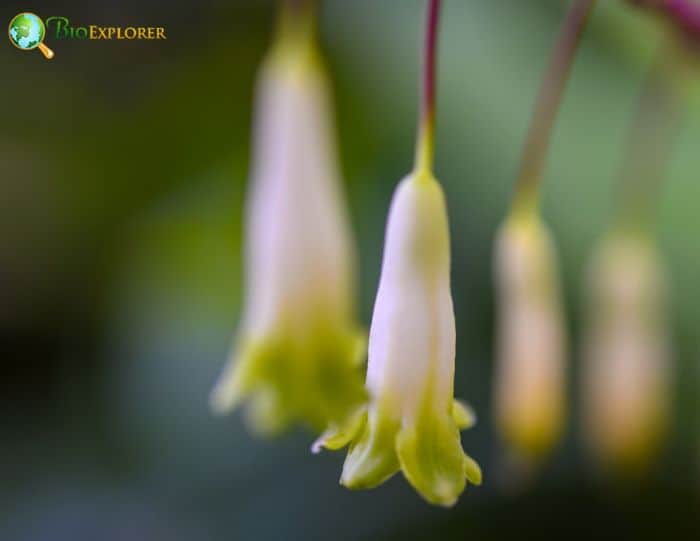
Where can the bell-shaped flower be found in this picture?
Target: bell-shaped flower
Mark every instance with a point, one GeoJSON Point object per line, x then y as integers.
{"type": "Point", "coordinates": [530, 383]}
{"type": "Point", "coordinates": [412, 423]}
{"type": "Point", "coordinates": [299, 352]}
{"type": "Point", "coordinates": [626, 353]}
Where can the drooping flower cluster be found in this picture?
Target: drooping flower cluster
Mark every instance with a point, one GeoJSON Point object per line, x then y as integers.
{"type": "Point", "coordinates": [299, 353]}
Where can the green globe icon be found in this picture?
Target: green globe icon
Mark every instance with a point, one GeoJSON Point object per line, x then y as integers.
{"type": "Point", "coordinates": [27, 32]}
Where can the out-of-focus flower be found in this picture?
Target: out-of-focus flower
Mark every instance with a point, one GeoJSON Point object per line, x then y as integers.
{"type": "Point", "coordinates": [626, 353]}
{"type": "Point", "coordinates": [531, 351]}
{"type": "Point", "coordinates": [299, 352]}
{"type": "Point", "coordinates": [412, 423]}
{"type": "Point", "coordinates": [529, 388]}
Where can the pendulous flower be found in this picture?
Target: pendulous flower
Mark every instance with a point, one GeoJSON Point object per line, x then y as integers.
{"type": "Point", "coordinates": [412, 423]}
{"type": "Point", "coordinates": [530, 386]}
{"type": "Point", "coordinates": [299, 351]}
{"type": "Point", "coordinates": [530, 401]}
{"type": "Point", "coordinates": [626, 353]}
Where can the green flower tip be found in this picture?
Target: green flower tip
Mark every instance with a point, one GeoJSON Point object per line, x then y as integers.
{"type": "Point", "coordinates": [428, 452]}
{"type": "Point", "coordinates": [317, 383]}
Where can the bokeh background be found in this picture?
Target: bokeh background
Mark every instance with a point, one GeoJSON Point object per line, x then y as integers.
{"type": "Point", "coordinates": [123, 168]}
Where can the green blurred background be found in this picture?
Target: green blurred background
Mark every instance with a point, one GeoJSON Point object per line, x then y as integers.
{"type": "Point", "coordinates": [123, 168]}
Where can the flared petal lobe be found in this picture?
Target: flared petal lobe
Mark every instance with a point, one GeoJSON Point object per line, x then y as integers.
{"type": "Point", "coordinates": [530, 372]}
{"type": "Point", "coordinates": [299, 350]}
{"type": "Point", "coordinates": [626, 354]}
{"type": "Point", "coordinates": [412, 422]}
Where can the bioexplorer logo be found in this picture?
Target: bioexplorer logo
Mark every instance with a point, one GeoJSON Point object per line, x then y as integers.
{"type": "Point", "coordinates": [27, 32]}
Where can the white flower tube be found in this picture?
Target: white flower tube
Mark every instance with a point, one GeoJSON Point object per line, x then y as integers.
{"type": "Point", "coordinates": [531, 351]}
{"type": "Point", "coordinates": [626, 353]}
{"type": "Point", "coordinates": [412, 423]}
{"type": "Point", "coordinates": [529, 391]}
{"type": "Point", "coordinates": [299, 351]}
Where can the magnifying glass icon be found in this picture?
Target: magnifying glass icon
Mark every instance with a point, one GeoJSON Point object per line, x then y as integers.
{"type": "Point", "coordinates": [27, 31]}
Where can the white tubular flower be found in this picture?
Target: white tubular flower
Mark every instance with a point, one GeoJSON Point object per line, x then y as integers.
{"type": "Point", "coordinates": [299, 350]}
{"type": "Point", "coordinates": [531, 365]}
{"type": "Point", "coordinates": [626, 353]}
{"type": "Point", "coordinates": [412, 423]}
{"type": "Point", "coordinates": [529, 389]}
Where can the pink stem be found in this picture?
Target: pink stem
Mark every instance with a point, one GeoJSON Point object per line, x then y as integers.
{"type": "Point", "coordinates": [426, 121]}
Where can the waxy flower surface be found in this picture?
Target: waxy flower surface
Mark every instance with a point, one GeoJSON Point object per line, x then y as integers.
{"type": "Point", "coordinates": [412, 422]}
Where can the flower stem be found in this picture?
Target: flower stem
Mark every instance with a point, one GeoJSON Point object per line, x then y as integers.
{"type": "Point", "coordinates": [425, 144]}
{"type": "Point", "coordinates": [548, 102]}
{"type": "Point", "coordinates": [652, 133]}
{"type": "Point", "coordinates": [298, 6]}
{"type": "Point", "coordinates": [296, 20]}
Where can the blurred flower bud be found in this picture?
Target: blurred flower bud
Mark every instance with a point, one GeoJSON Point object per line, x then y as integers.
{"type": "Point", "coordinates": [299, 351]}
{"type": "Point", "coordinates": [531, 358]}
{"type": "Point", "coordinates": [412, 423]}
{"type": "Point", "coordinates": [626, 353]}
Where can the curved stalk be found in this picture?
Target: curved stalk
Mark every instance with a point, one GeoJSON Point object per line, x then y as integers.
{"type": "Point", "coordinates": [548, 102]}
